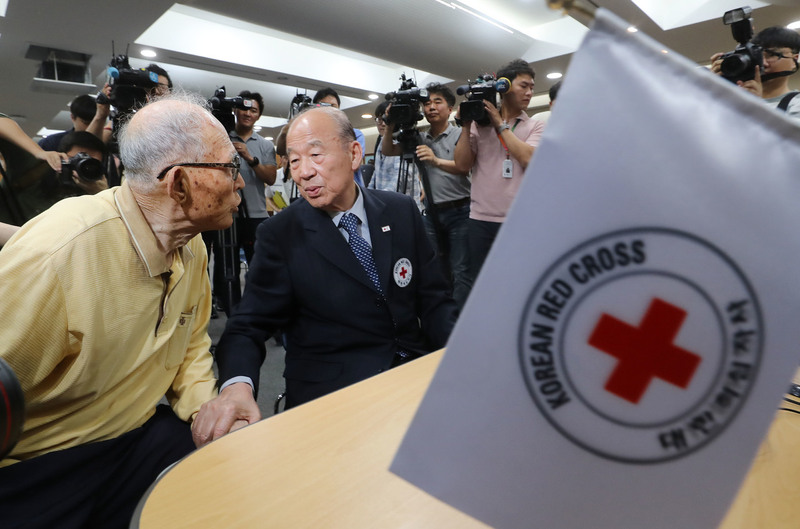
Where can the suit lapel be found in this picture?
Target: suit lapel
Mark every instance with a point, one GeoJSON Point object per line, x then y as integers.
{"type": "Point", "coordinates": [379, 218]}
{"type": "Point", "coordinates": [326, 240]}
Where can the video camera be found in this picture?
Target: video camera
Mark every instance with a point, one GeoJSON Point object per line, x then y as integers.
{"type": "Point", "coordinates": [405, 110]}
{"type": "Point", "coordinates": [299, 103]}
{"type": "Point", "coordinates": [741, 63]}
{"type": "Point", "coordinates": [222, 107]}
{"type": "Point", "coordinates": [129, 86]}
{"type": "Point", "coordinates": [485, 88]}
{"type": "Point", "coordinates": [87, 168]}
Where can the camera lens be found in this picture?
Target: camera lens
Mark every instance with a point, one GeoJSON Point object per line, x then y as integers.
{"type": "Point", "coordinates": [736, 66]}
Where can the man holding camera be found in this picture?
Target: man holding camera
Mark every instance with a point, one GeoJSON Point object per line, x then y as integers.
{"type": "Point", "coordinates": [498, 154]}
{"type": "Point", "coordinates": [89, 181]}
{"type": "Point", "coordinates": [259, 169]}
{"type": "Point", "coordinates": [781, 48]}
{"type": "Point", "coordinates": [449, 186]}
{"type": "Point", "coordinates": [106, 302]}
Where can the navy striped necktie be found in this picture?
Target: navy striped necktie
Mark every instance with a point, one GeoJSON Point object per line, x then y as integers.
{"type": "Point", "coordinates": [360, 248]}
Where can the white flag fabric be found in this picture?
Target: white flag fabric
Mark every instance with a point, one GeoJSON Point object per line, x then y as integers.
{"type": "Point", "coordinates": [636, 323]}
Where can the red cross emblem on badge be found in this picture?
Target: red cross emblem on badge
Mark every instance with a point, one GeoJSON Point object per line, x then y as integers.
{"type": "Point", "coordinates": [645, 352]}
{"type": "Point", "coordinates": [402, 273]}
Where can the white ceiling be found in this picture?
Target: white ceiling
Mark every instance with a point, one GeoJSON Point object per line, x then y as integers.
{"type": "Point", "coordinates": [359, 46]}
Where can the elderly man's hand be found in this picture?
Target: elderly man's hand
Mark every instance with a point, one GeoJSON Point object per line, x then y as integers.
{"type": "Point", "coordinates": [234, 408]}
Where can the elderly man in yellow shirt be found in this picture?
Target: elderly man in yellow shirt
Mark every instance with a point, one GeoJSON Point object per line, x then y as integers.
{"type": "Point", "coordinates": [105, 302]}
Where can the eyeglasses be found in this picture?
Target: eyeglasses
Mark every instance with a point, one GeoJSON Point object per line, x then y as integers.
{"type": "Point", "coordinates": [775, 54]}
{"type": "Point", "coordinates": [234, 165]}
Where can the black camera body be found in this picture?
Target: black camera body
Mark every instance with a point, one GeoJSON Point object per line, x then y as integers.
{"type": "Point", "coordinates": [87, 168]}
{"type": "Point", "coordinates": [741, 63]}
{"type": "Point", "coordinates": [485, 88]}
{"type": "Point", "coordinates": [129, 86]}
{"type": "Point", "coordinates": [405, 110]}
{"type": "Point", "coordinates": [299, 103]}
{"type": "Point", "coordinates": [222, 107]}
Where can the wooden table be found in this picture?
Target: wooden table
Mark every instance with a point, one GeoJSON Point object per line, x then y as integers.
{"type": "Point", "coordinates": [325, 465]}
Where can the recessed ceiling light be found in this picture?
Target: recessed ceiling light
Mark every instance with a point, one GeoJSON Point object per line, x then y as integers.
{"type": "Point", "coordinates": [366, 116]}
{"type": "Point", "coordinates": [632, 29]}
{"type": "Point", "coordinates": [794, 25]}
{"type": "Point", "coordinates": [555, 75]}
{"type": "Point", "coordinates": [270, 138]}
{"type": "Point", "coordinates": [373, 96]}
{"type": "Point", "coordinates": [148, 53]}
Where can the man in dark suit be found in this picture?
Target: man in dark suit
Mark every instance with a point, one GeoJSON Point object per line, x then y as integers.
{"type": "Point", "coordinates": [311, 279]}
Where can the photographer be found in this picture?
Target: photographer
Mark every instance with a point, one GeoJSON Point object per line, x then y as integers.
{"type": "Point", "coordinates": [386, 175]}
{"type": "Point", "coordinates": [259, 168]}
{"type": "Point", "coordinates": [498, 154]}
{"type": "Point", "coordinates": [83, 142]}
{"type": "Point", "coordinates": [780, 47]}
{"type": "Point", "coordinates": [449, 186]}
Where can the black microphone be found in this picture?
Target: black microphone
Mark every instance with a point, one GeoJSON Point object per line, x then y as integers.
{"type": "Point", "coordinates": [12, 409]}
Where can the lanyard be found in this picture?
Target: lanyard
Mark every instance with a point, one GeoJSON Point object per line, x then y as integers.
{"type": "Point", "coordinates": [502, 142]}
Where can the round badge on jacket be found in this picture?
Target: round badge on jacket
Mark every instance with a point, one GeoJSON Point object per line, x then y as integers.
{"type": "Point", "coordinates": [402, 272]}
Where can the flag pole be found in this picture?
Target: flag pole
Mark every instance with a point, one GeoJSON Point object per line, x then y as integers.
{"type": "Point", "coordinates": [573, 7]}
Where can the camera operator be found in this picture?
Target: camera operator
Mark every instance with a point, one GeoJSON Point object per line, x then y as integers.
{"type": "Point", "coordinates": [82, 112]}
{"type": "Point", "coordinates": [449, 186]}
{"type": "Point", "coordinates": [498, 154]}
{"type": "Point", "coordinates": [386, 175]}
{"type": "Point", "coordinates": [101, 122]}
{"type": "Point", "coordinates": [780, 47]}
{"type": "Point", "coordinates": [324, 97]}
{"type": "Point", "coordinates": [258, 169]}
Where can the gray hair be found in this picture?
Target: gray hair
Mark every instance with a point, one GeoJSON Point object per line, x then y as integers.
{"type": "Point", "coordinates": [164, 131]}
{"type": "Point", "coordinates": [345, 131]}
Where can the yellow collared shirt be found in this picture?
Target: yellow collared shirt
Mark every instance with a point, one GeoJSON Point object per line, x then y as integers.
{"type": "Point", "coordinates": [98, 325]}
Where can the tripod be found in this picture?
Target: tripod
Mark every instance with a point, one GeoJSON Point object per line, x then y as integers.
{"type": "Point", "coordinates": [228, 254]}
{"type": "Point", "coordinates": [409, 140]}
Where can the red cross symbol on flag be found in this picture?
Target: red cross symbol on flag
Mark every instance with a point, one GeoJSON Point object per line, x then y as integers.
{"type": "Point", "coordinates": [645, 352]}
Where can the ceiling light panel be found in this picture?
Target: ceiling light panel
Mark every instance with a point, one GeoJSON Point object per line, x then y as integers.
{"type": "Point", "coordinates": [669, 14]}
{"type": "Point", "coordinates": [186, 30]}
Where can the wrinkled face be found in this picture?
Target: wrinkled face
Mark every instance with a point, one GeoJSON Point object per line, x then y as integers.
{"type": "Point", "coordinates": [322, 164]}
{"type": "Point", "coordinates": [520, 92]}
{"type": "Point", "coordinates": [214, 193]}
{"type": "Point", "coordinates": [247, 117]}
{"type": "Point", "coordinates": [436, 109]}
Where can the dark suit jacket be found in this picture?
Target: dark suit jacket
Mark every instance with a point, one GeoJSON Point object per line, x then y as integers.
{"type": "Point", "coordinates": [306, 281]}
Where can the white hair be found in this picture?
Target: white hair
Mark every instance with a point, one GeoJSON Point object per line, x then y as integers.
{"type": "Point", "coordinates": [165, 131]}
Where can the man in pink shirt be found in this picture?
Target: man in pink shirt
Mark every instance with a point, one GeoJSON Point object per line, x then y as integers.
{"type": "Point", "coordinates": [498, 154]}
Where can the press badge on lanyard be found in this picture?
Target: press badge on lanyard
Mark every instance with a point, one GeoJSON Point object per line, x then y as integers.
{"type": "Point", "coordinates": [508, 165]}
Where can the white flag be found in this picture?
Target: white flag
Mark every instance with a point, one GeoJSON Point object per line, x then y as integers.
{"type": "Point", "coordinates": [636, 323]}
